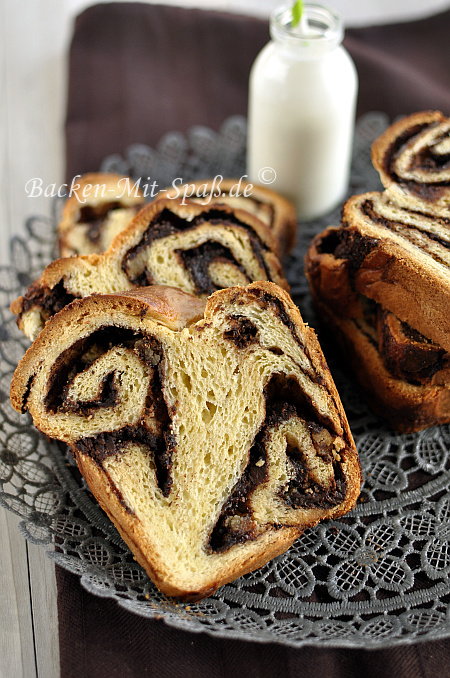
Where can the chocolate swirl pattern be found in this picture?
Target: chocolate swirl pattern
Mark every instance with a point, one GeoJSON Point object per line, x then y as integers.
{"type": "Point", "coordinates": [391, 255]}
{"type": "Point", "coordinates": [275, 211]}
{"type": "Point", "coordinates": [219, 425]}
{"type": "Point", "coordinates": [413, 159]}
{"type": "Point", "coordinates": [423, 233]}
{"type": "Point", "coordinates": [382, 279]}
{"type": "Point", "coordinates": [196, 248]}
{"type": "Point", "coordinates": [101, 207]}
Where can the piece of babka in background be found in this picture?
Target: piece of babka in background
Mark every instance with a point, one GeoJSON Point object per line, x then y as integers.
{"type": "Point", "coordinates": [381, 280]}
{"type": "Point", "coordinates": [197, 248]}
{"type": "Point", "coordinates": [413, 159]}
{"type": "Point", "coordinates": [210, 432]}
{"type": "Point", "coordinates": [273, 209]}
{"type": "Point", "coordinates": [101, 206]}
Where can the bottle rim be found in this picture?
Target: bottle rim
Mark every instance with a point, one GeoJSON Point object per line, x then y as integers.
{"type": "Point", "coordinates": [326, 29]}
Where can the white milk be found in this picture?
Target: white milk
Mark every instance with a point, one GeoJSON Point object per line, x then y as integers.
{"type": "Point", "coordinates": [301, 111]}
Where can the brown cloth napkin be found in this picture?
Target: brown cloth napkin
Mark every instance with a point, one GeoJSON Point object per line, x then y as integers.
{"type": "Point", "coordinates": [99, 639]}
{"type": "Point", "coordinates": [137, 71]}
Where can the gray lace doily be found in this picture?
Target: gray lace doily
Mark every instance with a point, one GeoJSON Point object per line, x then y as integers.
{"type": "Point", "coordinates": [379, 576]}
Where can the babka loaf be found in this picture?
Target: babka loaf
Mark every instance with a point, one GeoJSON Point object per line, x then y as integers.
{"type": "Point", "coordinates": [273, 209]}
{"type": "Point", "coordinates": [413, 159]}
{"type": "Point", "coordinates": [211, 433]}
{"type": "Point", "coordinates": [197, 248]}
{"type": "Point", "coordinates": [381, 282]}
{"type": "Point", "coordinates": [102, 205]}
{"type": "Point", "coordinates": [398, 258]}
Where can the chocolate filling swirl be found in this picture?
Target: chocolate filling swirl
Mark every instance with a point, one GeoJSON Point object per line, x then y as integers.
{"type": "Point", "coordinates": [198, 259]}
{"type": "Point", "coordinates": [421, 163]}
{"type": "Point", "coordinates": [154, 435]}
{"type": "Point", "coordinates": [284, 400]}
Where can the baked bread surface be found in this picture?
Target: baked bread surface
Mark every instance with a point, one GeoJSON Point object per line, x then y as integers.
{"type": "Point", "coordinates": [197, 248]}
{"type": "Point", "coordinates": [210, 432]}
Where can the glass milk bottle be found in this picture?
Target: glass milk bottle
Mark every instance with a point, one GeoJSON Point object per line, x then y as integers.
{"type": "Point", "coordinates": [302, 97]}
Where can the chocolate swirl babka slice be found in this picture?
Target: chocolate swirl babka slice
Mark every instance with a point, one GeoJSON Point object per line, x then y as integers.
{"type": "Point", "coordinates": [381, 283]}
{"type": "Point", "coordinates": [413, 159]}
{"type": "Point", "coordinates": [210, 432]}
{"type": "Point", "coordinates": [273, 209]}
{"type": "Point", "coordinates": [100, 207]}
{"type": "Point", "coordinates": [398, 257]}
{"type": "Point", "coordinates": [197, 248]}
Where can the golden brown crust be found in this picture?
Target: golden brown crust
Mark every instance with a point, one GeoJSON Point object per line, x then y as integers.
{"type": "Point", "coordinates": [274, 209]}
{"type": "Point", "coordinates": [327, 275]}
{"type": "Point", "coordinates": [387, 273]}
{"type": "Point", "coordinates": [407, 355]}
{"type": "Point", "coordinates": [275, 543]}
{"type": "Point", "coordinates": [169, 305]}
{"type": "Point", "coordinates": [407, 407]}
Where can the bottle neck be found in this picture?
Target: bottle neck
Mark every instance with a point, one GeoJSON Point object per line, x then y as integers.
{"type": "Point", "coordinates": [316, 36]}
